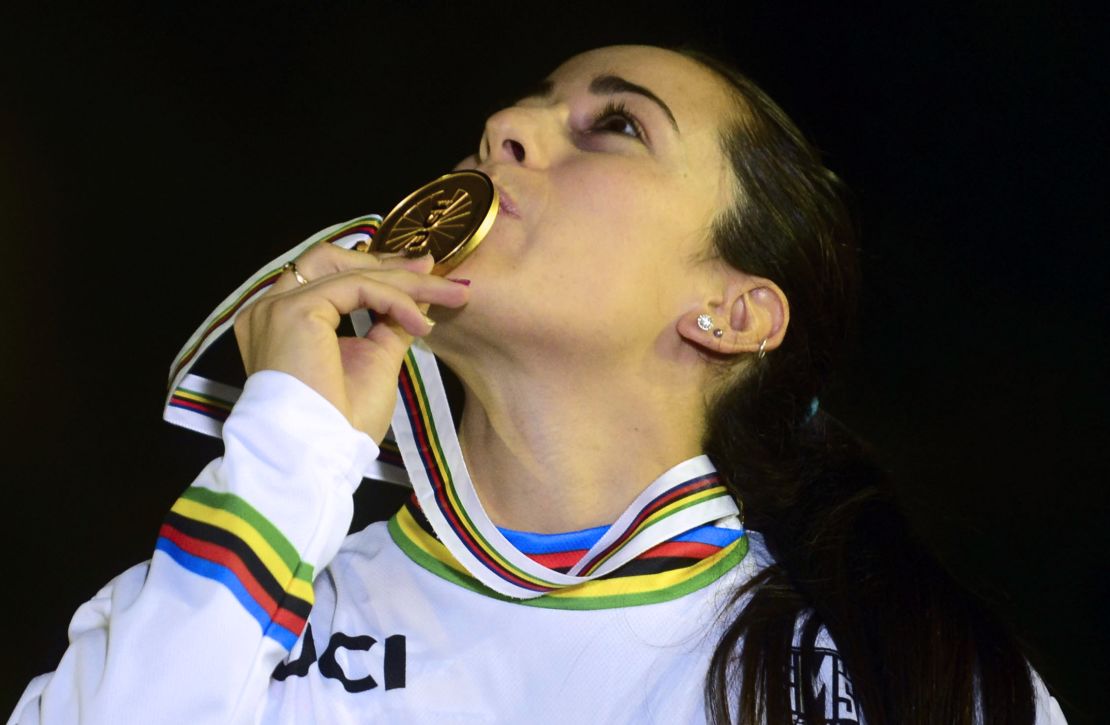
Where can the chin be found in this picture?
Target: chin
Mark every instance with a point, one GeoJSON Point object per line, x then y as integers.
{"type": "Point", "coordinates": [504, 243]}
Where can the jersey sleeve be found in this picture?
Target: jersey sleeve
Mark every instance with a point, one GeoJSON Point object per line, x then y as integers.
{"type": "Point", "coordinates": [193, 634]}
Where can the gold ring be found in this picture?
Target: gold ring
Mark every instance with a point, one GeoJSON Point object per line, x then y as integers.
{"type": "Point", "coordinates": [292, 267]}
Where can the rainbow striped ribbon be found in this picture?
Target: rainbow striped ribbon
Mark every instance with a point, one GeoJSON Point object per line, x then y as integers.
{"type": "Point", "coordinates": [688, 495]}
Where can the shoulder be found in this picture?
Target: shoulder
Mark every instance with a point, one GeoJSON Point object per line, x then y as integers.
{"type": "Point", "coordinates": [368, 566]}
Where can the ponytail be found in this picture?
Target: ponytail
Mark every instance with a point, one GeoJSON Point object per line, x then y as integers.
{"type": "Point", "coordinates": [844, 564]}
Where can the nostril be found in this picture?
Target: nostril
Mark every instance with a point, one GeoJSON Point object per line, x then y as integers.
{"type": "Point", "coordinates": [515, 148]}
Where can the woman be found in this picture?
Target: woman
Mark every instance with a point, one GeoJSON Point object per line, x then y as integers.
{"type": "Point", "coordinates": [671, 275]}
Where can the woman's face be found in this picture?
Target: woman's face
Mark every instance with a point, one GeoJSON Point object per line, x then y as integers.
{"type": "Point", "coordinates": [615, 175]}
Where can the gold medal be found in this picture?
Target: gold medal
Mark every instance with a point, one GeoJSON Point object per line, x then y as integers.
{"type": "Point", "coordinates": [447, 218]}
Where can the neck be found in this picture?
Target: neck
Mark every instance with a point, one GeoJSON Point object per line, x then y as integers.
{"type": "Point", "coordinates": [561, 450]}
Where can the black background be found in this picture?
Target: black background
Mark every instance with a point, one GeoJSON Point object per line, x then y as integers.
{"type": "Point", "coordinates": [153, 155]}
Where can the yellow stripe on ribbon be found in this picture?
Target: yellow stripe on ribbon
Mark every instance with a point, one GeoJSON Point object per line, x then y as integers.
{"type": "Point", "coordinates": [674, 506]}
{"type": "Point", "coordinates": [199, 398]}
{"type": "Point", "coordinates": [597, 592]}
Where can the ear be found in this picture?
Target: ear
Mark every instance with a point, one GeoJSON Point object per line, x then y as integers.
{"type": "Point", "coordinates": [748, 311]}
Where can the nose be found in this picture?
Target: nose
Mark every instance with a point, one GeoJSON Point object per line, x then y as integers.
{"type": "Point", "coordinates": [518, 135]}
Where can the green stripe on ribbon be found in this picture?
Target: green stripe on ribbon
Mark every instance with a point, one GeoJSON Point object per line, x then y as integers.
{"type": "Point", "coordinates": [612, 601]}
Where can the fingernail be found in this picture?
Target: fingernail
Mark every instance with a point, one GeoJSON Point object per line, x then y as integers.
{"type": "Point", "coordinates": [459, 280]}
{"type": "Point", "coordinates": [429, 320]}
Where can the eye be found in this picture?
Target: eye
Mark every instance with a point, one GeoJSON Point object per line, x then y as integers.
{"type": "Point", "coordinates": [616, 118]}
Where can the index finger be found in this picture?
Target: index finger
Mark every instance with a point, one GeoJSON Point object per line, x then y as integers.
{"type": "Point", "coordinates": [325, 258]}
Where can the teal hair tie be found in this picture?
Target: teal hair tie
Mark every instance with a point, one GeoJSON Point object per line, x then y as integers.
{"type": "Point", "coordinates": [813, 404]}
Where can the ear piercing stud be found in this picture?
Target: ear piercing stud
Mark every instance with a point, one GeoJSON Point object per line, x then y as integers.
{"type": "Point", "coordinates": [705, 323]}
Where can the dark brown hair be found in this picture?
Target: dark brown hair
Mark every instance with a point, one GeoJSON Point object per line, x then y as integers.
{"type": "Point", "coordinates": [917, 646]}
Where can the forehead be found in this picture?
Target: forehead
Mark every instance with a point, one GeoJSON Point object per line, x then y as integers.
{"type": "Point", "coordinates": [699, 100]}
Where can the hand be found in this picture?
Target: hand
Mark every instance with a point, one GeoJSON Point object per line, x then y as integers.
{"type": "Point", "coordinates": [292, 327]}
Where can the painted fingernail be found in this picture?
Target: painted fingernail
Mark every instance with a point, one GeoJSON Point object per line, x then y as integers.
{"type": "Point", "coordinates": [459, 280]}
{"type": "Point", "coordinates": [430, 321]}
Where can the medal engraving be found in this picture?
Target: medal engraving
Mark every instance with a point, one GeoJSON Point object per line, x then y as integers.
{"type": "Point", "coordinates": [447, 218]}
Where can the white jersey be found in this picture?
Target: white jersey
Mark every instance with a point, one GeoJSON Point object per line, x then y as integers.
{"type": "Point", "coordinates": [255, 608]}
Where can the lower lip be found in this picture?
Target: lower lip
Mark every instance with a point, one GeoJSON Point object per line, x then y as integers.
{"type": "Point", "coordinates": [507, 209]}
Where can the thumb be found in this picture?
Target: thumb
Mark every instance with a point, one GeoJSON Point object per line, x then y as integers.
{"type": "Point", "coordinates": [371, 366]}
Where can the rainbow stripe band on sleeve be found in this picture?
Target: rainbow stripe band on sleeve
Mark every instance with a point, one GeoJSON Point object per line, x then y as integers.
{"type": "Point", "coordinates": [222, 537]}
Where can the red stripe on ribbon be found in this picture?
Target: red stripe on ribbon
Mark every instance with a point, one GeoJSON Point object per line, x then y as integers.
{"type": "Point", "coordinates": [364, 228]}
{"type": "Point", "coordinates": [215, 411]}
{"type": "Point", "coordinates": [707, 481]}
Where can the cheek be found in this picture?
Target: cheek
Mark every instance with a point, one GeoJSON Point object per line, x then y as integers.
{"type": "Point", "coordinates": [615, 263]}
{"type": "Point", "coordinates": [603, 213]}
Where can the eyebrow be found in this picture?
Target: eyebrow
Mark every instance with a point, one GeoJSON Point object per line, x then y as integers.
{"type": "Point", "coordinates": [605, 85]}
